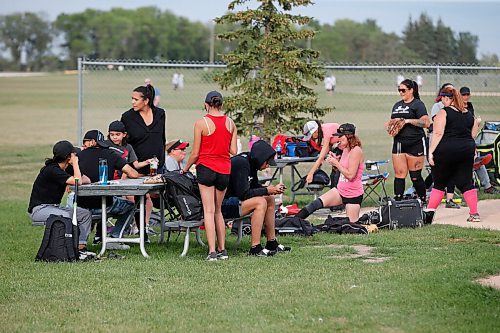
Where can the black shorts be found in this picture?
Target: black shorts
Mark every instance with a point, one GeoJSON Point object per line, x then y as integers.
{"type": "Point", "coordinates": [414, 148]}
{"type": "Point", "coordinates": [208, 177]}
{"type": "Point", "coordinates": [231, 208]}
{"type": "Point", "coordinates": [355, 201]}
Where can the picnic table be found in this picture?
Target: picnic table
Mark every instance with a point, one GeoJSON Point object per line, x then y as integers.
{"type": "Point", "coordinates": [121, 187]}
{"type": "Point", "coordinates": [295, 175]}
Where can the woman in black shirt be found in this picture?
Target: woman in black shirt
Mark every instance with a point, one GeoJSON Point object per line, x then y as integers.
{"type": "Point", "coordinates": [408, 150]}
{"type": "Point", "coordinates": [452, 150]}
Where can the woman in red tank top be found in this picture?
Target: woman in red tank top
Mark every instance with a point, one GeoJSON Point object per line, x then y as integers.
{"type": "Point", "coordinates": [214, 142]}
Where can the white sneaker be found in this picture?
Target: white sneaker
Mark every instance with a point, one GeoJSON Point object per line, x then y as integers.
{"type": "Point", "coordinates": [86, 255]}
{"type": "Point", "coordinates": [117, 246]}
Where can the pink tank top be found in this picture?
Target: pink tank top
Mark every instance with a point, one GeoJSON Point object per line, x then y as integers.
{"type": "Point", "coordinates": [214, 150]}
{"type": "Point", "coordinates": [354, 188]}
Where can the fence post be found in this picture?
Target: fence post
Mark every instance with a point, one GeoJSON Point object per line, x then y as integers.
{"type": "Point", "coordinates": [438, 77]}
{"type": "Point", "coordinates": [79, 129]}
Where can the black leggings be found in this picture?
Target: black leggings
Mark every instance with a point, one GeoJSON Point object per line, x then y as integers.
{"type": "Point", "coordinates": [453, 167]}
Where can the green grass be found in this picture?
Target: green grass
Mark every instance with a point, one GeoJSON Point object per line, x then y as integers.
{"type": "Point", "coordinates": [426, 285]}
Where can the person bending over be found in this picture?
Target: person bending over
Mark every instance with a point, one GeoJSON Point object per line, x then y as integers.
{"type": "Point", "coordinates": [49, 187]}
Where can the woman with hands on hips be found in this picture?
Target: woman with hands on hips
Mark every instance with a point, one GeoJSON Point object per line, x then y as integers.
{"type": "Point", "coordinates": [350, 164]}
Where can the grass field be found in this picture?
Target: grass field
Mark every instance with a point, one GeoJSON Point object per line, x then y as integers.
{"type": "Point", "coordinates": [425, 284]}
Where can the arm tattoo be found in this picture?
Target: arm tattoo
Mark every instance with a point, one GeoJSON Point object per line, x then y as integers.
{"type": "Point", "coordinates": [419, 123]}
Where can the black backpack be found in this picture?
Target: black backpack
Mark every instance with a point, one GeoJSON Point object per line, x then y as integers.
{"type": "Point", "coordinates": [183, 193]}
{"type": "Point", "coordinates": [60, 240]}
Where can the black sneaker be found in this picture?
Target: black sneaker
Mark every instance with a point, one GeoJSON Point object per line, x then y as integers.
{"type": "Point", "coordinates": [452, 204]}
{"type": "Point", "coordinates": [97, 241]}
{"type": "Point", "coordinates": [283, 248]}
{"type": "Point", "coordinates": [491, 190]}
{"type": "Point", "coordinates": [212, 256]}
{"type": "Point", "coordinates": [262, 253]}
{"type": "Point", "coordinates": [83, 254]}
{"type": "Point", "coordinates": [222, 255]}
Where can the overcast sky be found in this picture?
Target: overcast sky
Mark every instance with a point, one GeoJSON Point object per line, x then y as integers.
{"type": "Point", "coordinates": [477, 17]}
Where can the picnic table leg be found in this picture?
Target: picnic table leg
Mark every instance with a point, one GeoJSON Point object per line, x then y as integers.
{"type": "Point", "coordinates": [104, 227]}
{"type": "Point", "coordinates": [186, 243]}
{"type": "Point", "coordinates": [142, 226]}
{"type": "Point", "coordinates": [162, 219]}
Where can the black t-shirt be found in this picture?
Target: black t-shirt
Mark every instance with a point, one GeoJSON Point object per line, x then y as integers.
{"type": "Point", "coordinates": [147, 141]}
{"type": "Point", "coordinates": [413, 110]}
{"type": "Point", "coordinates": [49, 186]}
{"type": "Point", "coordinates": [89, 166]}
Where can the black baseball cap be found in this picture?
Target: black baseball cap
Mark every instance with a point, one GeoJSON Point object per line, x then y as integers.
{"type": "Point", "coordinates": [345, 129]}
{"type": "Point", "coordinates": [117, 126]}
{"type": "Point", "coordinates": [62, 150]}
{"type": "Point", "coordinates": [465, 91]}
{"type": "Point", "coordinates": [213, 94]}
{"type": "Point", "coordinates": [97, 136]}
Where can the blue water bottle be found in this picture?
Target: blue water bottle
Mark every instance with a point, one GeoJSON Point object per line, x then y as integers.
{"type": "Point", "coordinates": [103, 171]}
{"type": "Point", "coordinates": [278, 149]}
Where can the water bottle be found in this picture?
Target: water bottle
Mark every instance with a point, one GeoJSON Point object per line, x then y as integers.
{"type": "Point", "coordinates": [153, 166]}
{"type": "Point", "coordinates": [103, 171]}
{"type": "Point", "coordinates": [278, 149]}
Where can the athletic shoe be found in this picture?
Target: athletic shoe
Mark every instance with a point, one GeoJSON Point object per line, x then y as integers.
{"type": "Point", "coordinates": [150, 231]}
{"type": "Point", "coordinates": [117, 246]}
{"type": "Point", "coordinates": [451, 204]}
{"type": "Point", "coordinates": [282, 248]}
{"type": "Point", "coordinates": [212, 256]}
{"type": "Point", "coordinates": [83, 254]}
{"type": "Point", "coordinates": [262, 253]}
{"type": "Point", "coordinates": [474, 218]}
{"type": "Point", "coordinates": [491, 190]}
{"type": "Point", "coordinates": [97, 241]}
{"type": "Point", "coordinates": [222, 255]}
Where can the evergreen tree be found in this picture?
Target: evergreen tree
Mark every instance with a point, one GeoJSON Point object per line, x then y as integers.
{"type": "Point", "coordinates": [267, 71]}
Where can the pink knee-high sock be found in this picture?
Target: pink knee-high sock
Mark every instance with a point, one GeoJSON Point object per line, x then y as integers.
{"type": "Point", "coordinates": [435, 198]}
{"type": "Point", "coordinates": [471, 198]}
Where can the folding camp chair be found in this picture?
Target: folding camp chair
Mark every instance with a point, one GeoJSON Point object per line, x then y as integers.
{"type": "Point", "coordinates": [374, 181]}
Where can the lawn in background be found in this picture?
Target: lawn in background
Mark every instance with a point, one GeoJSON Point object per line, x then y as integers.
{"type": "Point", "coordinates": [425, 285]}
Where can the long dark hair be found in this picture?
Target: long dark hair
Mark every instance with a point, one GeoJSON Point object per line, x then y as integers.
{"type": "Point", "coordinates": [319, 140]}
{"type": "Point", "coordinates": [410, 84]}
{"type": "Point", "coordinates": [148, 92]}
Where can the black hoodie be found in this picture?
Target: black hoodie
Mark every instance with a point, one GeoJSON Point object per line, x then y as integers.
{"type": "Point", "coordinates": [243, 182]}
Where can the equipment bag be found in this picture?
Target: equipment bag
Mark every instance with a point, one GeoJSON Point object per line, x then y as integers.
{"type": "Point", "coordinates": [294, 225]}
{"type": "Point", "coordinates": [341, 225]}
{"type": "Point", "coordinates": [319, 178]}
{"type": "Point", "coordinates": [401, 214]}
{"type": "Point", "coordinates": [60, 240]}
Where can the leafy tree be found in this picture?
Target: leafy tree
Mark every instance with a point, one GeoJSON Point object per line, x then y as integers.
{"type": "Point", "coordinates": [467, 46]}
{"type": "Point", "coordinates": [267, 72]}
{"type": "Point", "coordinates": [28, 33]}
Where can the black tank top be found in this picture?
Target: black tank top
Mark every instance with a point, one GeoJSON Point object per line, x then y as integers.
{"type": "Point", "coordinates": [458, 131]}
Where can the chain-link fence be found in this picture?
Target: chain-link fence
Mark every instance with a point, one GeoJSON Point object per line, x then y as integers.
{"type": "Point", "coordinates": [363, 95]}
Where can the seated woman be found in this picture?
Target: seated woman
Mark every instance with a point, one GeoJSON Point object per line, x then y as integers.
{"type": "Point", "coordinates": [349, 190]}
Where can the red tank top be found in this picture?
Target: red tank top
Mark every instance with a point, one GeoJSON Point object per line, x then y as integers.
{"type": "Point", "coordinates": [214, 150]}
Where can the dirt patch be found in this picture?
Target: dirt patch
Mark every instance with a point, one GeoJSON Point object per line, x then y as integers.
{"type": "Point", "coordinates": [361, 251]}
{"type": "Point", "coordinates": [459, 240]}
{"type": "Point", "coordinates": [492, 281]}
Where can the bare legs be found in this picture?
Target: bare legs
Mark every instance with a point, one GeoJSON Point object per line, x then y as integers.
{"type": "Point", "coordinates": [213, 220]}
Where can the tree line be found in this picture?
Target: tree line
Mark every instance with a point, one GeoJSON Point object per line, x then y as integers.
{"type": "Point", "coordinates": [31, 42]}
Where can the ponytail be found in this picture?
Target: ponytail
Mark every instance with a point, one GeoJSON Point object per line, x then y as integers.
{"type": "Point", "coordinates": [148, 92]}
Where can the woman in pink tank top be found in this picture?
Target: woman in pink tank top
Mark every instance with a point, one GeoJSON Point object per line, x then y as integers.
{"type": "Point", "coordinates": [214, 142]}
{"type": "Point", "coordinates": [349, 190]}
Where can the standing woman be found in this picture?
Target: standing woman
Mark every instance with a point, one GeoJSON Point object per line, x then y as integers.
{"type": "Point", "coordinates": [214, 141]}
{"type": "Point", "coordinates": [409, 149]}
{"type": "Point", "coordinates": [145, 125]}
{"type": "Point", "coordinates": [452, 150]}
{"type": "Point", "coordinates": [349, 190]}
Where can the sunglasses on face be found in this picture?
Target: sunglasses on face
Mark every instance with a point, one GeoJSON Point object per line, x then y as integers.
{"type": "Point", "coordinates": [402, 90]}
{"type": "Point", "coordinates": [465, 94]}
